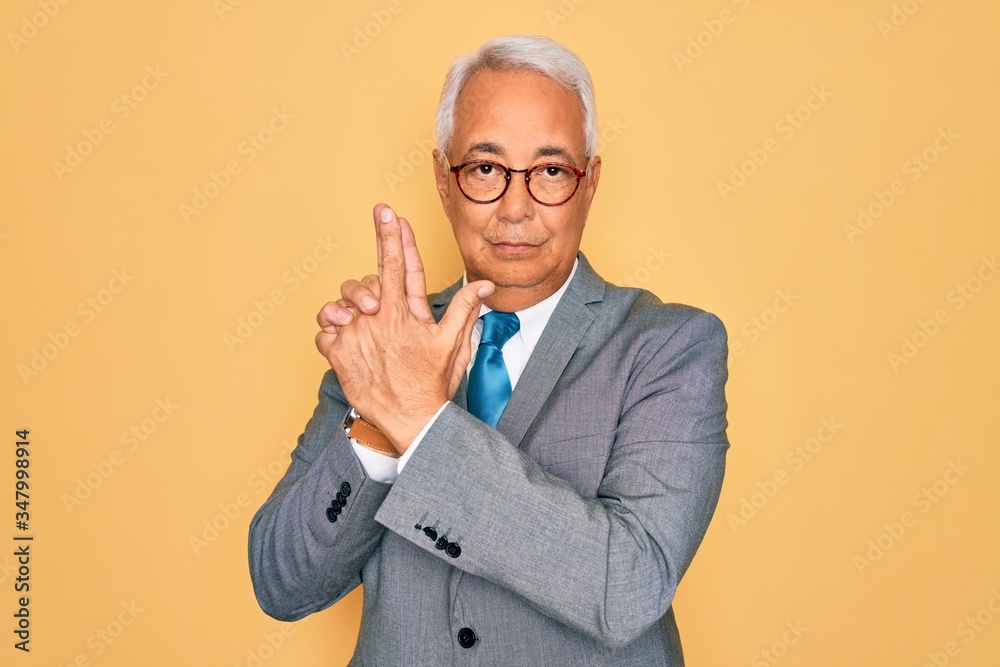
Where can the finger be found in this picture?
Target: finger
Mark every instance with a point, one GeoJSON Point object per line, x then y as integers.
{"type": "Point", "coordinates": [464, 306]}
{"type": "Point", "coordinates": [332, 315]}
{"type": "Point", "coordinates": [378, 239]}
{"type": "Point", "coordinates": [392, 268]}
{"type": "Point", "coordinates": [415, 281]}
{"type": "Point", "coordinates": [465, 351]}
{"type": "Point", "coordinates": [356, 293]}
{"type": "Point", "coordinates": [371, 282]}
{"type": "Point", "coordinates": [324, 341]}
{"type": "Point", "coordinates": [462, 353]}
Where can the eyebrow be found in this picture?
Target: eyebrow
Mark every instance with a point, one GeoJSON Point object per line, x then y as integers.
{"type": "Point", "coordinates": [484, 147]}
{"type": "Point", "coordinates": [554, 151]}
{"type": "Point", "coordinates": [496, 150]}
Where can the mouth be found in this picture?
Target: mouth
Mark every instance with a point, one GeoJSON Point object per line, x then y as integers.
{"type": "Point", "coordinates": [514, 247]}
{"type": "Point", "coordinates": [516, 244]}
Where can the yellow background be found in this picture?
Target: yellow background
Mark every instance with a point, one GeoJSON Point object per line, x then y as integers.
{"type": "Point", "coordinates": [814, 309]}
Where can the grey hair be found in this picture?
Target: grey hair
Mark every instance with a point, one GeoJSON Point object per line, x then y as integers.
{"type": "Point", "coordinates": [518, 52]}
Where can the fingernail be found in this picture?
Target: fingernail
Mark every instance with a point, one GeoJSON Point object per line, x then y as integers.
{"type": "Point", "coordinates": [485, 291]}
{"type": "Point", "coordinates": [343, 316]}
{"type": "Point", "coordinates": [368, 303]}
{"type": "Point", "coordinates": [386, 214]}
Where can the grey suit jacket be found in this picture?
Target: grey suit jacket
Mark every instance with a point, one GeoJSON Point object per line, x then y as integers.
{"type": "Point", "coordinates": [557, 538]}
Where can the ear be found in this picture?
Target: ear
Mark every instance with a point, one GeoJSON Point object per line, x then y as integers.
{"type": "Point", "coordinates": [441, 178]}
{"type": "Point", "coordinates": [593, 176]}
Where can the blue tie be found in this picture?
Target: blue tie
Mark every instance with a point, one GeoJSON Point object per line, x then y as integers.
{"type": "Point", "coordinates": [489, 384]}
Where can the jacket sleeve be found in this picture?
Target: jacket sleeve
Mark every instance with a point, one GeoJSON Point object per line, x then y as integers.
{"type": "Point", "coordinates": [302, 558]}
{"type": "Point", "coordinates": [606, 566]}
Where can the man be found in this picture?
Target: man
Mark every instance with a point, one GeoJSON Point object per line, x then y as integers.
{"type": "Point", "coordinates": [552, 483]}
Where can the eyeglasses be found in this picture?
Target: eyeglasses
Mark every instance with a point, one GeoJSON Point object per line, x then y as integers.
{"type": "Point", "coordinates": [549, 184]}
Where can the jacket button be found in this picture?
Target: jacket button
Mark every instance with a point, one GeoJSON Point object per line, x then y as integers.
{"type": "Point", "coordinates": [345, 488]}
{"type": "Point", "coordinates": [331, 515]}
{"type": "Point", "coordinates": [341, 499]}
{"type": "Point", "coordinates": [430, 532]}
{"type": "Point", "coordinates": [441, 544]}
{"type": "Point", "coordinates": [466, 638]}
{"type": "Point", "coordinates": [336, 503]}
{"type": "Point", "coordinates": [453, 550]}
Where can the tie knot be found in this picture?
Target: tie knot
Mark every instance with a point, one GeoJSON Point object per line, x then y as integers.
{"type": "Point", "coordinates": [498, 328]}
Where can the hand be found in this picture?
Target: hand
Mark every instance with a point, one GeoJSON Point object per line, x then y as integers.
{"type": "Point", "coordinates": [364, 295]}
{"type": "Point", "coordinates": [395, 364]}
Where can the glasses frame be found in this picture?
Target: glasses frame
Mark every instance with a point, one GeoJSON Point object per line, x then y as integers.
{"type": "Point", "coordinates": [527, 179]}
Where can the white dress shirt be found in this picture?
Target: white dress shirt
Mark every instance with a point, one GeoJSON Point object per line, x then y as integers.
{"type": "Point", "coordinates": [516, 351]}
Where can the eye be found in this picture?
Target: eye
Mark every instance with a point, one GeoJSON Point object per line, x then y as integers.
{"type": "Point", "coordinates": [554, 172]}
{"type": "Point", "coordinates": [484, 169]}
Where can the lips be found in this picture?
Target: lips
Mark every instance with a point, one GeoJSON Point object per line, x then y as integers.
{"type": "Point", "coordinates": [514, 242]}
{"type": "Point", "coordinates": [512, 248]}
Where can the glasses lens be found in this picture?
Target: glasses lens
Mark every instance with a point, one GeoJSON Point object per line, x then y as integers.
{"type": "Point", "coordinates": [482, 181]}
{"type": "Point", "coordinates": [552, 183]}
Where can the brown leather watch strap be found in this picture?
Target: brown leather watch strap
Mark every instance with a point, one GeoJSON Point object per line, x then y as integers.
{"type": "Point", "coordinates": [367, 435]}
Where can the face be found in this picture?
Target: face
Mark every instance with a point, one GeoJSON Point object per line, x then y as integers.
{"type": "Point", "coordinates": [519, 119]}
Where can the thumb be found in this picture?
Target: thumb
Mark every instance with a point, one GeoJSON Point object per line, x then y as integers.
{"type": "Point", "coordinates": [464, 306]}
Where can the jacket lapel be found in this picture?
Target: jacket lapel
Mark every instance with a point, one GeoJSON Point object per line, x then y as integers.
{"type": "Point", "coordinates": [560, 339]}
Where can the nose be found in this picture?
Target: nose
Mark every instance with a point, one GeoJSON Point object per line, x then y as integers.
{"type": "Point", "coordinates": [516, 205]}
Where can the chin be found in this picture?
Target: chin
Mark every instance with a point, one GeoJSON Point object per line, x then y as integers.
{"type": "Point", "coordinates": [510, 276]}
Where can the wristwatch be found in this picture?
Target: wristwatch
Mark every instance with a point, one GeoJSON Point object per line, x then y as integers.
{"type": "Point", "coordinates": [367, 435]}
